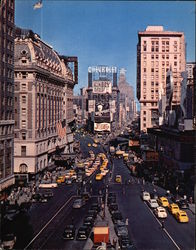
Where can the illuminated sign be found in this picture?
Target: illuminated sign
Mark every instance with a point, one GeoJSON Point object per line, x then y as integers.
{"type": "Point", "coordinates": [102, 126]}
{"type": "Point", "coordinates": [91, 106]}
{"type": "Point", "coordinates": [102, 87]}
{"type": "Point", "coordinates": [133, 143]}
{"type": "Point", "coordinates": [102, 69]}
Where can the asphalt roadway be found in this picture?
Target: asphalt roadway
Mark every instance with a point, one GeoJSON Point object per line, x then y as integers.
{"type": "Point", "coordinates": [144, 228]}
{"type": "Point", "coordinates": [43, 226]}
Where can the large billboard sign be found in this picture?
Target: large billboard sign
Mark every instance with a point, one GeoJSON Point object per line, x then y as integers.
{"type": "Point", "coordinates": [102, 69]}
{"type": "Point", "coordinates": [102, 126]}
{"type": "Point", "coordinates": [102, 87]}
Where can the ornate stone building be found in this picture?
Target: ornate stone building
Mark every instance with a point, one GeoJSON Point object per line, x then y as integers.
{"type": "Point", "coordinates": [6, 94]}
{"type": "Point", "coordinates": [43, 104]}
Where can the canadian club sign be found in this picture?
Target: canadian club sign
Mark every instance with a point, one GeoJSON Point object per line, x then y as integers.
{"type": "Point", "coordinates": [102, 126]}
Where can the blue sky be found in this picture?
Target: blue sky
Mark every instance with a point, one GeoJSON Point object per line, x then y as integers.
{"type": "Point", "coordinates": [104, 32]}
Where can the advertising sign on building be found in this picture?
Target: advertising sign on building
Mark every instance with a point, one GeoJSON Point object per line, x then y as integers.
{"type": "Point", "coordinates": [112, 106]}
{"type": "Point", "coordinates": [102, 126]}
{"type": "Point", "coordinates": [91, 106]}
{"type": "Point", "coordinates": [102, 87]}
{"type": "Point", "coordinates": [102, 69]}
{"type": "Point", "coordinates": [133, 143]}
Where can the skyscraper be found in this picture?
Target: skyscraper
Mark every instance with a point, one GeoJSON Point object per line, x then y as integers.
{"type": "Point", "coordinates": [6, 94]}
{"type": "Point", "coordinates": [158, 51]}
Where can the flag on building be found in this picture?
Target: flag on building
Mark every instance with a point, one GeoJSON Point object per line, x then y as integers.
{"type": "Point", "coordinates": [61, 129]}
{"type": "Point", "coordinates": [38, 5]}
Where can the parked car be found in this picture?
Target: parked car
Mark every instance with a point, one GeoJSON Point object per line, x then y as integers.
{"type": "Point", "coordinates": [146, 196]}
{"type": "Point", "coordinates": [173, 208]}
{"type": "Point", "coordinates": [111, 199]}
{"type": "Point", "coordinates": [153, 203]}
{"type": "Point", "coordinates": [83, 233]}
{"type": "Point", "coordinates": [125, 243]}
{"type": "Point", "coordinates": [154, 195]}
{"type": "Point", "coordinates": [121, 229]}
{"type": "Point", "coordinates": [8, 241]}
{"type": "Point", "coordinates": [113, 207]}
{"type": "Point", "coordinates": [69, 232]}
{"type": "Point", "coordinates": [99, 177]}
{"type": "Point", "coordinates": [181, 216]}
{"type": "Point", "coordinates": [88, 221]}
{"type": "Point", "coordinates": [118, 179]}
{"type": "Point", "coordinates": [11, 213]}
{"type": "Point", "coordinates": [78, 203]}
{"type": "Point", "coordinates": [96, 206]}
{"type": "Point", "coordinates": [68, 181]}
{"type": "Point", "coordinates": [163, 201]}
{"type": "Point", "coordinates": [116, 216]}
{"type": "Point", "coordinates": [86, 196]}
{"type": "Point", "coordinates": [160, 212]}
{"type": "Point", "coordinates": [48, 194]}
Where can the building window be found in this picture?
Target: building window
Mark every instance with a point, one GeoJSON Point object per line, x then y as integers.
{"type": "Point", "coordinates": [144, 125]}
{"type": "Point", "coordinates": [152, 57]}
{"type": "Point", "coordinates": [23, 87]}
{"type": "Point", "coordinates": [24, 99]}
{"type": "Point", "coordinates": [144, 112]}
{"type": "Point", "coordinates": [24, 123]}
{"type": "Point", "coordinates": [24, 136]}
{"type": "Point", "coordinates": [23, 150]}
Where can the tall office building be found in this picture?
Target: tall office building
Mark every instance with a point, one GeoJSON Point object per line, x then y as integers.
{"type": "Point", "coordinates": [6, 94]}
{"type": "Point", "coordinates": [103, 99]}
{"type": "Point", "coordinates": [158, 51]}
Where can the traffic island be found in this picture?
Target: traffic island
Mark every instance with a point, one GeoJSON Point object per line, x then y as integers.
{"type": "Point", "coordinates": [103, 233]}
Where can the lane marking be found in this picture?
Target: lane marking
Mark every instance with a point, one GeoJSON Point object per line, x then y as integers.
{"type": "Point", "coordinates": [35, 237]}
{"type": "Point", "coordinates": [164, 228]}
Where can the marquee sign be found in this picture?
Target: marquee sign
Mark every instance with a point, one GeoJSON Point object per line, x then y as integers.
{"type": "Point", "coordinates": [102, 126]}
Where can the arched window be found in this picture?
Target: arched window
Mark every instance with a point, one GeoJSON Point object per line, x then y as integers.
{"type": "Point", "coordinates": [23, 168]}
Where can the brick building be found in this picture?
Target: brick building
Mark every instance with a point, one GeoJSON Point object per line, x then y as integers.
{"type": "Point", "coordinates": [157, 52]}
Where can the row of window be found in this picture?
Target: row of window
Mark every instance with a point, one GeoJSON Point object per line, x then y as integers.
{"type": "Point", "coordinates": [6, 130]}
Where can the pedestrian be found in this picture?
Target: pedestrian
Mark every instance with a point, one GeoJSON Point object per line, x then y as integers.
{"type": "Point", "coordinates": [162, 224]}
{"type": "Point", "coordinates": [114, 242]}
{"type": "Point", "coordinates": [127, 222]}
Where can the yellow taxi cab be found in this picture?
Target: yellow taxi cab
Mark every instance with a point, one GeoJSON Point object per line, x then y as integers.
{"type": "Point", "coordinates": [104, 164]}
{"type": "Point", "coordinates": [89, 144]}
{"type": "Point", "coordinates": [95, 141]}
{"type": "Point", "coordinates": [99, 177]}
{"type": "Point", "coordinates": [118, 178]}
{"type": "Point", "coordinates": [60, 179]}
{"type": "Point", "coordinates": [181, 216]}
{"type": "Point", "coordinates": [102, 168]}
{"type": "Point", "coordinates": [173, 208]}
{"type": "Point", "coordinates": [163, 201]}
{"type": "Point", "coordinates": [72, 172]}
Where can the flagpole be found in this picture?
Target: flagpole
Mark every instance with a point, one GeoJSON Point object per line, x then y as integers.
{"type": "Point", "coordinates": [42, 23]}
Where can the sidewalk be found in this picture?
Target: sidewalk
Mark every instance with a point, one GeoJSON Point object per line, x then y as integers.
{"type": "Point", "coordinates": [112, 235]}
{"type": "Point", "coordinates": [192, 208]}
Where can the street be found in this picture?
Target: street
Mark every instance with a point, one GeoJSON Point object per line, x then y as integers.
{"type": "Point", "coordinates": [44, 223]}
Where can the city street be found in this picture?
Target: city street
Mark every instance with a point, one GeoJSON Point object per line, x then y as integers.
{"type": "Point", "coordinates": [144, 227]}
{"type": "Point", "coordinates": [48, 220]}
